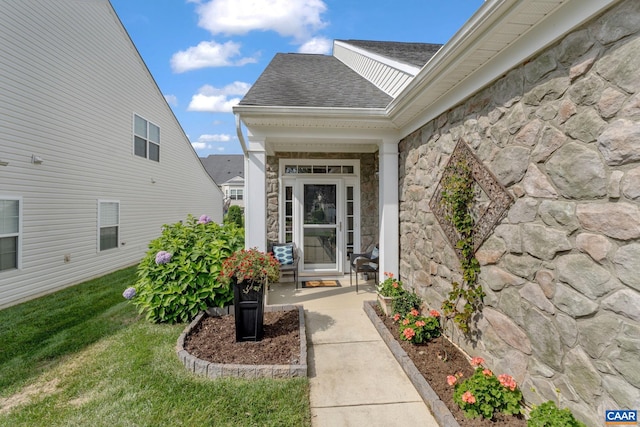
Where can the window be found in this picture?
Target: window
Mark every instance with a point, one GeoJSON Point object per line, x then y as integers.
{"type": "Point", "coordinates": [146, 139]}
{"type": "Point", "coordinates": [235, 194]}
{"type": "Point", "coordinates": [10, 216]}
{"type": "Point", "coordinates": [108, 224]}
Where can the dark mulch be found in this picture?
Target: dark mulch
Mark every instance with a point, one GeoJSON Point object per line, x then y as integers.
{"type": "Point", "coordinates": [437, 359]}
{"type": "Point", "coordinates": [214, 340]}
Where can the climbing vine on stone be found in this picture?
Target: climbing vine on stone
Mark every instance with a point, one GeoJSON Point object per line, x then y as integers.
{"type": "Point", "coordinates": [458, 197]}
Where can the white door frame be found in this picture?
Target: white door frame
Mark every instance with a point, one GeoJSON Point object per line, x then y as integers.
{"type": "Point", "coordinates": [349, 179]}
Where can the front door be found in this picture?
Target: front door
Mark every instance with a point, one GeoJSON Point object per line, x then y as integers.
{"type": "Point", "coordinates": [321, 220]}
{"type": "Point", "coordinates": [320, 212]}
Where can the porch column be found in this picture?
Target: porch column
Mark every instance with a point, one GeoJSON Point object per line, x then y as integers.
{"type": "Point", "coordinates": [255, 196]}
{"type": "Point", "coordinates": [389, 208]}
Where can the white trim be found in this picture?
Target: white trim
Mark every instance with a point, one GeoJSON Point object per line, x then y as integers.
{"type": "Point", "coordinates": [20, 233]}
{"type": "Point", "coordinates": [296, 180]}
{"type": "Point", "coordinates": [392, 63]}
{"type": "Point", "coordinates": [255, 202]}
{"type": "Point", "coordinates": [548, 30]}
{"type": "Point", "coordinates": [99, 225]}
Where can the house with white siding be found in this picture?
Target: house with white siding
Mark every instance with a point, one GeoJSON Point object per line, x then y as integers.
{"type": "Point", "coordinates": [92, 159]}
{"type": "Point", "coordinates": [542, 98]}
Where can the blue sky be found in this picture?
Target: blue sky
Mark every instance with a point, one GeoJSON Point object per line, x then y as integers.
{"type": "Point", "coordinates": [205, 54]}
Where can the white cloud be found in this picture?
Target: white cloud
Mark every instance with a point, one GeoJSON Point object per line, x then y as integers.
{"type": "Point", "coordinates": [318, 45]}
{"type": "Point", "coordinates": [289, 18]}
{"type": "Point", "coordinates": [208, 54]}
{"type": "Point", "coordinates": [207, 142]}
{"type": "Point", "coordinates": [171, 100]}
{"type": "Point", "coordinates": [218, 100]}
{"type": "Point", "coordinates": [221, 137]}
{"type": "Point", "coordinates": [200, 145]}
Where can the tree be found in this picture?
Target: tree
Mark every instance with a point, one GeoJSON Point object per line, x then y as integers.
{"type": "Point", "coordinates": [234, 216]}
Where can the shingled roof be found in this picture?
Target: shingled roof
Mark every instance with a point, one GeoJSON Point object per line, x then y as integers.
{"type": "Point", "coordinates": [305, 80]}
{"type": "Point", "coordinates": [222, 168]}
{"type": "Point", "coordinates": [416, 54]}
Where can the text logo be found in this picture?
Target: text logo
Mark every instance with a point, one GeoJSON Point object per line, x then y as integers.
{"type": "Point", "coordinates": [621, 417]}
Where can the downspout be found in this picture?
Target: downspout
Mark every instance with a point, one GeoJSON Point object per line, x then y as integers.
{"type": "Point", "coordinates": [243, 143]}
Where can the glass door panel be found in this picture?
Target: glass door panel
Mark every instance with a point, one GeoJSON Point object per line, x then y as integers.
{"type": "Point", "coordinates": [320, 226]}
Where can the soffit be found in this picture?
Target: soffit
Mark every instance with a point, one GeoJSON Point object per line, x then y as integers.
{"type": "Point", "coordinates": [489, 32]}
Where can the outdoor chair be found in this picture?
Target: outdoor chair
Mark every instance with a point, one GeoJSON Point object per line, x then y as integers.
{"type": "Point", "coordinates": [288, 257]}
{"type": "Point", "coordinates": [363, 263]}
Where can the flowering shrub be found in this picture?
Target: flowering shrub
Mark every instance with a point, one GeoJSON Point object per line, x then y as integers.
{"type": "Point", "coordinates": [405, 302]}
{"type": "Point", "coordinates": [251, 266]}
{"type": "Point", "coordinates": [484, 393]}
{"type": "Point", "coordinates": [178, 277]}
{"type": "Point", "coordinates": [416, 328]}
{"type": "Point", "coordinates": [390, 286]}
{"type": "Point", "coordinates": [129, 293]}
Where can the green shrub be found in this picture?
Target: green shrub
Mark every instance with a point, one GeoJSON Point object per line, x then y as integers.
{"type": "Point", "coordinates": [484, 394]}
{"type": "Point", "coordinates": [234, 216]}
{"type": "Point", "coordinates": [405, 302]}
{"type": "Point", "coordinates": [178, 277]}
{"type": "Point", "coordinates": [418, 329]}
{"type": "Point", "coordinates": [549, 415]}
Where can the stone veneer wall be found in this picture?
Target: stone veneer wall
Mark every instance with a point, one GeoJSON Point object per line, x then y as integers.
{"type": "Point", "coordinates": [368, 190]}
{"type": "Point", "coordinates": [562, 269]}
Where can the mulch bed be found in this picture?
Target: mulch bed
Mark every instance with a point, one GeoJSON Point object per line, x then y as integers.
{"type": "Point", "coordinates": [437, 359]}
{"type": "Point", "coordinates": [214, 340]}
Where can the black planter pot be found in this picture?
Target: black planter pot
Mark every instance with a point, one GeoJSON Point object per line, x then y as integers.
{"type": "Point", "coordinates": [249, 312]}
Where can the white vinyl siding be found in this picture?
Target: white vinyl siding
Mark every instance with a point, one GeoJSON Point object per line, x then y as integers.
{"type": "Point", "coordinates": [108, 224]}
{"type": "Point", "coordinates": [146, 139]}
{"type": "Point", "coordinates": [10, 221]}
{"type": "Point", "coordinates": [71, 83]}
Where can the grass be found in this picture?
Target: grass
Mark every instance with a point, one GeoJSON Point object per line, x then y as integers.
{"type": "Point", "coordinates": [82, 356]}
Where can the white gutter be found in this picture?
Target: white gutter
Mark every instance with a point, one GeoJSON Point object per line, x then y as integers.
{"type": "Point", "coordinates": [243, 143]}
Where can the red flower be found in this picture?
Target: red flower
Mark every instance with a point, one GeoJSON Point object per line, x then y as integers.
{"type": "Point", "coordinates": [396, 317]}
{"type": "Point", "coordinates": [420, 323]}
{"type": "Point", "coordinates": [477, 361]}
{"type": "Point", "coordinates": [409, 333]}
{"type": "Point", "coordinates": [507, 381]}
{"type": "Point", "coordinates": [415, 312]}
{"type": "Point", "coordinates": [487, 372]}
{"type": "Point", "coordinates": [434, 313]}
{"type": "Point", "coordinates": [451, 380]}
{"type": "Point", "coordinates": [468, 397]}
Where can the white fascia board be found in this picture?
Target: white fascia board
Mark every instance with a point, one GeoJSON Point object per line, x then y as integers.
{"type": "Point", "coordinates": [569, 15]}
{"type": "Point", "coordinates": [401, 66]}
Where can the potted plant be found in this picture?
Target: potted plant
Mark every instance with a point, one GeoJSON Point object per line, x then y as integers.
{"type": "Point", "coordinates": [250, 271]}
{"type": "Point", "coordinates": [387, 291]}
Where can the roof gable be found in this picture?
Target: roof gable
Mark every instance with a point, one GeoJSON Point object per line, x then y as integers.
{"type": "Point", "coordinates": [415, 54]}
{"type": "Point", "coordinates": [305, 80]}
{"type": "Point", "coordinates": [222, 168]}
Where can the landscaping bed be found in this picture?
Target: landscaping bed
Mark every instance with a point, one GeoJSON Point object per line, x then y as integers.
{"type": "Point", "coordinates": [208, 346]}
{"type": "Point", "coordinates": [427, 368]}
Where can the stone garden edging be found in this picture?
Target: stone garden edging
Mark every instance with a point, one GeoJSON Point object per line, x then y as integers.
{"type": "Point", "coordinates": [220, 370]}
{"type": "Point", "coordinates": [438, 409]}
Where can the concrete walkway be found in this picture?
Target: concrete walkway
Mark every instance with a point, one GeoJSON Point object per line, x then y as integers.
{"type": "Point", "coordinates": [355, 380]}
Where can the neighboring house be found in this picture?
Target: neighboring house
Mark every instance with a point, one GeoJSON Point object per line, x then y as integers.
{"type": "Point", "coordinates": [349, 149]}
{"type": "Point", "coordinates": [227, 170]}
{"type": "Point", "coordinates": [92, 160]}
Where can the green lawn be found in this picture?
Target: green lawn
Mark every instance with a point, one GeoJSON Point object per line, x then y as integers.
{"type": "Point", "coordinates": [83, 357]}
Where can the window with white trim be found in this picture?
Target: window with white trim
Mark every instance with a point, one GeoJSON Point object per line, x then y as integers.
{"type": "Point", "coordinates": [108, 224]}
{"type": "Point", "coordinates": [146, 139]}
{"type": "Point", "coordinates": [236, 193]}
{"type": "Point", "coordinates": [10, 220]}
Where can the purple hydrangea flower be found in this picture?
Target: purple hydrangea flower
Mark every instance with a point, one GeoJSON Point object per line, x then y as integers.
{"type": "Point", "coordinates": [129, 293]}
{"type": "Point", "coordinates": [204, 219]}
{"type": "Point", "coordinates": [163, 257]}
